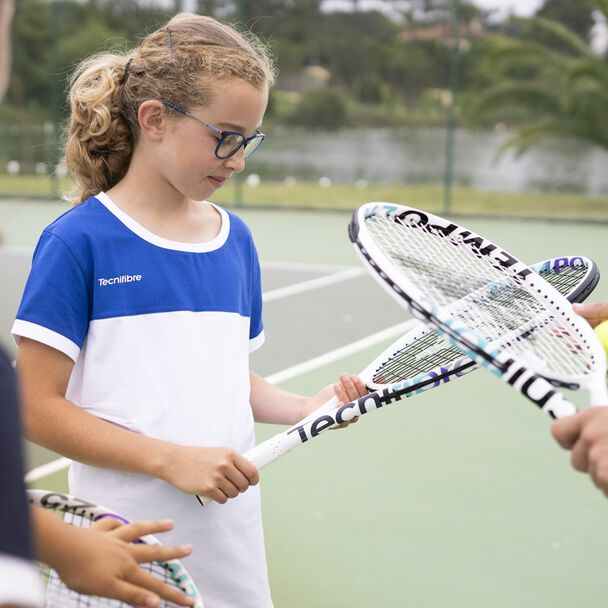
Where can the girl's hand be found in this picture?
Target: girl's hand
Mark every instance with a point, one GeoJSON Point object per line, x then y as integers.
{"type": "Point", "coordinates": [348, 388]}
{"type": "Point", "coordinates": [594, 313]}
{"type": "Point", "coordinates": [219, 473]}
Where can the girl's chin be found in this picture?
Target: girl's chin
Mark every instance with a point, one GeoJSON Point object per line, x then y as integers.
{"type": "Point", "coordinates": [201, 192]}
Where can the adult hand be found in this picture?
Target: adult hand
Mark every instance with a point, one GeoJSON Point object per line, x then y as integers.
{"type": "Point", "coordinates": [586, 435]}
{"type": "Point", "coordinates": [594, 313]}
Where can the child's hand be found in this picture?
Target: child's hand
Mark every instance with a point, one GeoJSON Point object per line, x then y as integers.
{"type": "Point", "coordinates": [103, 560]}
{"type": "Point", "coordinates": [348, 388]}
{"type": "Point", "coordinates": [219, 473]}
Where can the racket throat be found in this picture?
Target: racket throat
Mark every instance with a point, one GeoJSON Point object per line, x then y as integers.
{"type": "Point", "coordinates": [536, 388]}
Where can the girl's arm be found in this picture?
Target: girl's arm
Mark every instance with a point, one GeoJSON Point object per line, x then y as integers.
{"type": "Point", "coordinates": [277, 406]}
{"type": "Point", "coordinates": [60, 425]}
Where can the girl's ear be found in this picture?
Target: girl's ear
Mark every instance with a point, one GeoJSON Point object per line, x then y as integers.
{"type": "Point", "coordinates": [152, 119]}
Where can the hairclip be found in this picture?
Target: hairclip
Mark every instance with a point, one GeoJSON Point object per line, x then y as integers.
{"type": "Point", "coordinates": [170, 43]}
{"type": "Point", "coordinates": [126, 72]}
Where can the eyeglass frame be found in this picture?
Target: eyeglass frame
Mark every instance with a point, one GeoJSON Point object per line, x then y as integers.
{"type": "Point", "coordinates": [223, 134]}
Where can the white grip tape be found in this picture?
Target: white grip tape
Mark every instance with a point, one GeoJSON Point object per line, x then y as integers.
{"type": "Point", "coordinates": [270, 450]}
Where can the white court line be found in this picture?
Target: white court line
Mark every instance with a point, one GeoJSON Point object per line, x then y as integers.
{"type": "Point", "coordinates": [342, 352]}
{"type": "Point", "coordinates": [286, 374]}
{"type": "Point", "coordinates": [302, 266]}
{"type": "Point", "coordinates": [330, 279]}
{"type": "Point", "coordinates": [17, 250]}
{"type": "Point", "coordinates": [47, 469]}
{"type": "Point", "coordinates": [270, 264]}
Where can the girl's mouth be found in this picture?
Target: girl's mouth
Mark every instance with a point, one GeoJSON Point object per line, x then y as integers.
{"type": "Point", "coordinates": [216, 182]}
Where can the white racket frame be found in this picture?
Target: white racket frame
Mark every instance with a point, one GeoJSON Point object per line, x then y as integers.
{"type": "Point", "coordinates": [329, 415]}
{"type": "Point", "coordinates": [532, 382]}
{"type": "Point", "coordinates": [61, 502]}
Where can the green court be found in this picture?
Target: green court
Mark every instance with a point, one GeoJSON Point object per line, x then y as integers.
{"type": "Point", "coordinates": [456, 497]}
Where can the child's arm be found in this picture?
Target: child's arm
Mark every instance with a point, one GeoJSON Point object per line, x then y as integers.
{"type": "Point", "coordinates": [275, 405]}
{"type": "Point", "coordinates": [103, 560]}
{"type": "Point", "coordinates": [60, 425]}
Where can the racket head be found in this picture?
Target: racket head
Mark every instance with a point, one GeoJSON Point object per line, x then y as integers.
{"type": "Point", "coordinates": [574, 276]}
{"type": "Point", "coordinates": [427, 359]}
{"type": "Point", "coordinates": [83, 513]}
{"type": "Point", "coordinates": [443, 272]}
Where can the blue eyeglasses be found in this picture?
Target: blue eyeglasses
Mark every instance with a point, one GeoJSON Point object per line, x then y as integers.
{"type": "Point", "coordinates": [230, 142]}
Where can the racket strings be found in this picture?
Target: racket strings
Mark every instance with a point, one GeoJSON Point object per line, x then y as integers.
{"type": "Point", "coordinates": [482, 296]}
{"type": "Point", "coordinates": [59, 595]}
{"type": "Point", "coordinates": [566, 279]}
{"type": "Point", "coordinates": [431, 351]}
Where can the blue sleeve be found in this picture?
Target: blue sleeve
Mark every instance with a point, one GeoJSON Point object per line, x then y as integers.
{"type": "Point", "coordinates": [256, 326]}
{"type": "Point", "coordinates": [56, 303]}
{"type": "Point", "coordinates": [15, 535]}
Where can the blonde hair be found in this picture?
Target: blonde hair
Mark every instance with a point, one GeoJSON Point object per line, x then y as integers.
{"type": "Point", "coordinates": [178, 63]}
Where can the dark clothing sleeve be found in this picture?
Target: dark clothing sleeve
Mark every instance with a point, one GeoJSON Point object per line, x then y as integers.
{"type": "Point", "coordinates": [15, 534]}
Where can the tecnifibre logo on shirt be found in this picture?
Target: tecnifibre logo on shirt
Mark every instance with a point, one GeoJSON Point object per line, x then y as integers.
{"type": "Point", "coordinates": [125, 278]}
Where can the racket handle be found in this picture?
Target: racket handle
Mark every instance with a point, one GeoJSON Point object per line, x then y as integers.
{"type": "Point", "coordinates": [329, 406]}
{"type": "Point", "coordinates": [535, 388]}
{"type": "Point", "coordinates": [272, 449]}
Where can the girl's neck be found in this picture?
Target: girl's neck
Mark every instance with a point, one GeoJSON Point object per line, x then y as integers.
{"type": "Point", "coordinates": [153, 203]}
{"type": "Point", "coordinates": [142, 191]}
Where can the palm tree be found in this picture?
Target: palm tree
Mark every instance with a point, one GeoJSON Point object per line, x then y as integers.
{"type": "Point", "coordinates": [558, 87]}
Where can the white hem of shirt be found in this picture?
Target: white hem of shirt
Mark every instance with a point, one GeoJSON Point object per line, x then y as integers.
{"type": "Point", "coordinates": [255, 343]}
{"type": "Point", "coordinates": [159, 241]}
{"type": "Point", "coordinates": [27, 329]}
{"type": "Point", "coordinates": [20, 582]}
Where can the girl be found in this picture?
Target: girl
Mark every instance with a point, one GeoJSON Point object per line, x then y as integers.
{"type": "Point", "coordinates": [144, 301]}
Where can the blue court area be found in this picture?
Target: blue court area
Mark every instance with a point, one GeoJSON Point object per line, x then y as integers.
{"type": "Point", "coordinates": [456, 497]}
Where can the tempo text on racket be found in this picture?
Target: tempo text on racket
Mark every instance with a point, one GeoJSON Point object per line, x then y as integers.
{"type": "Point", "coordinates": [418, 361]}
{"type": "Point", "coordinates": [490, 305]}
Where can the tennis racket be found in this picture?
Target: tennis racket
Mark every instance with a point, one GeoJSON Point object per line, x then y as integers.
{"type": "Point", "coordinates": [489, 305]}
{"type": "Point", "coordinates": [418, 361]}
{"type": "Point", "coordinates": [82, 513]}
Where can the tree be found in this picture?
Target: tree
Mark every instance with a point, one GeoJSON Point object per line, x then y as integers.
{"type": "Point", "coordinates": [321, 108]}
{"type": "Point", "coordinates": [576, 16]}
{"type": "Point", "coordinates": [547, 90]}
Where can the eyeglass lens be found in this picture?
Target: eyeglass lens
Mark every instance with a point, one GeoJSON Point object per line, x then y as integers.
{"type": "Point", "coordinates": [231, 143]}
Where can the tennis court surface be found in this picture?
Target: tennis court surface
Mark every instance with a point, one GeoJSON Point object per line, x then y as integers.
{"type": "Point", "coordinates": [456, 497]}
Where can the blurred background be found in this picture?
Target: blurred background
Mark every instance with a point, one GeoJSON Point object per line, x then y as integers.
{"type": "Point", "coordinates": [479, 106]}
{"type": "Point", "coordinates": [495, 110]}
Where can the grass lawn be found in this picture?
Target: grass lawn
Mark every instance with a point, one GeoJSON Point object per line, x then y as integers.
{"type": "Point", "coordinates": [310, 195]}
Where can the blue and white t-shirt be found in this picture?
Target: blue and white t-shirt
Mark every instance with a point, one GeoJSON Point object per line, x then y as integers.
{"type": "Point", "coordinates": [160, 333]}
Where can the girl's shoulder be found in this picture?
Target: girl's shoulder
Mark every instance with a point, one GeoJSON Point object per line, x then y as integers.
{"type": "Point", "coordinates": [238, 227]}
{"type": "Point", "coordinates": [84, 219]}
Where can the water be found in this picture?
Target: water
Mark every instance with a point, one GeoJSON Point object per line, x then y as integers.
{"type": "Point", "coordinates": [415, 156]}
